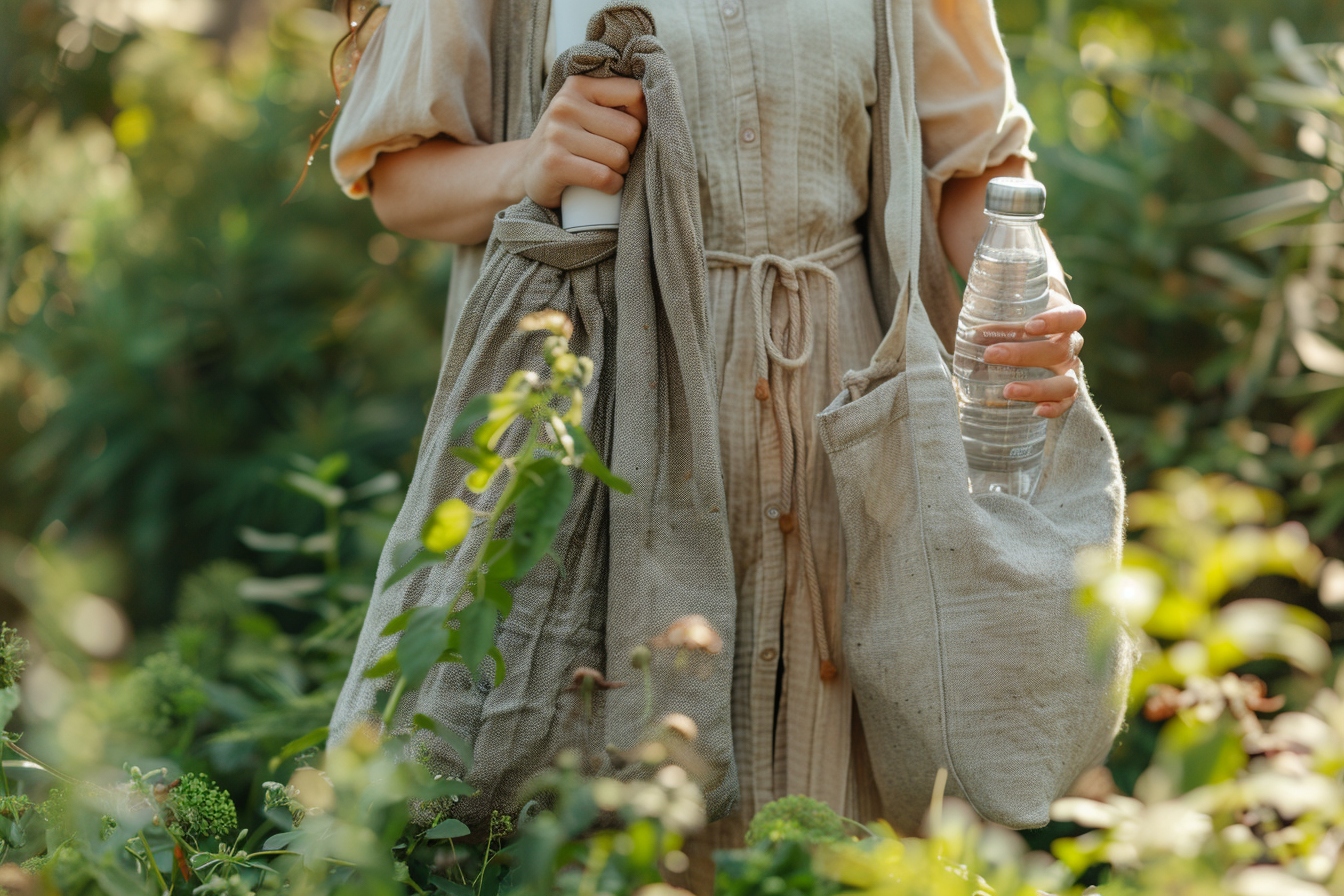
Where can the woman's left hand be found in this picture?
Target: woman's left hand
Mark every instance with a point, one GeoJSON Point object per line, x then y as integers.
{"type": "Point", "coordinates": [1061, 322]}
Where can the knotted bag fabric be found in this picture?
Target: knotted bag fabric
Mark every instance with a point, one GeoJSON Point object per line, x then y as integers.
{"type": "Point", "coordinates": [629, 565]}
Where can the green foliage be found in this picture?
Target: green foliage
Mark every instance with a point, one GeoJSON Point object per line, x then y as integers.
{"type": "Point", "coordinates": [798, 818]}
{"type": "Point", "coordinates": [170, 331]}
{"type": "Point", "coordinates": [160, 696]}
{"type": "Point", "coordinates": [537, 487]}
{"type": "Point", "coordinates": [1193, 156]}
{"type": "Point", "coordinates": [12, 652]}
{"type": "Point", "coordinates": [196, 807]}
{"type": "Point", "coordinates": [773, 867]}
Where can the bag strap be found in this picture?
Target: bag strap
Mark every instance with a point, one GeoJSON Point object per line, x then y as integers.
{"type": "Point", "coordinates": [936, 287]}
{"type": "Point", "coordinates": [517, 49]}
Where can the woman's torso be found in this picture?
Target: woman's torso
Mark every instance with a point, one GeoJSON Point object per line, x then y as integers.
{"type": "Point", "coordinates": [778, 96]}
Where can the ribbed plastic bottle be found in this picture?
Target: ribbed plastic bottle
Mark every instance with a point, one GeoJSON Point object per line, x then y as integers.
{"type": "Point", "coordinates": [1006, 287]}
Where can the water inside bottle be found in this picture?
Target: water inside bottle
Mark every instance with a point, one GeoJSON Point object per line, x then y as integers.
{"type": "Point", "coordinates": [1004, 440]}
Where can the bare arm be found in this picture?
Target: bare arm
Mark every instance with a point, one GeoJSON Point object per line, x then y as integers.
{"type": "Point", "coordinates": [446, 191]}
{"type": "Point", "coordinates": [961, 223]}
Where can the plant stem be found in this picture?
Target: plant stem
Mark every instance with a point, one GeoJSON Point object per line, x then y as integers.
{"type": "Point", "coordinates": [289, 852]}
{"type": "Point", "coordinates": [33, 759]}
{"type": "Point", "coordinates": [149, 856]}
{"type": "Point", "coordinates": [333, 552]}
{"type": "Point", "coordinates": [391, 710]}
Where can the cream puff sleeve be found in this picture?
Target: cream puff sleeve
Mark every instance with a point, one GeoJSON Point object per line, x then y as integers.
{"type": "Point", "coordinates": [969, 114]}
{"type": "Point", "coordinates": [425, 73]}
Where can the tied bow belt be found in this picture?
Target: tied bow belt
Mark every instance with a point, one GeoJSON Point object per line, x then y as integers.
{"type": "Point", "coordinates": [788, 355]}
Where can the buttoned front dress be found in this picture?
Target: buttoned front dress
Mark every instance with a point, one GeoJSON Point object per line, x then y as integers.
{"type": "Point", "coordinates": [779, 95]}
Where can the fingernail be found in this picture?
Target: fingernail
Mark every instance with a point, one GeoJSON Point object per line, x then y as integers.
{"type": "Point", "coordinates": [1013, 390]}
{"type": "Point", "coordinates": [994, 354]}
{"type": "Point", "coordinates": [1035, 326]}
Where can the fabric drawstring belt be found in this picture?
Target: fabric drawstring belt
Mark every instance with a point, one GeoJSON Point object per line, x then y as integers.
{"type": "Point", "coordinates": [789, 354]}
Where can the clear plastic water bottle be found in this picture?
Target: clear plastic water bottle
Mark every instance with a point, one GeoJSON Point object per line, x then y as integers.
{"type": "Point", "coordinates": [1006, 287]}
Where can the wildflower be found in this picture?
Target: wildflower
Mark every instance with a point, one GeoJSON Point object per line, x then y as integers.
{"type": "Point", "coordinates": [690, 633]}
{"type": "Point", "coordinates": [587, 678]}
{"type": "Point", "coordinates": [681, 724]}
{"type": "Point", "coordinates": [797, 818]}
{"type": "Point", "coordinates": [285, 798]}
{"type": "Point", "coordinates": [12, 650]}
{"type": "Point", "coordinates": [196, 806]}
{"type": "Point", "coordinates": [548, 319]}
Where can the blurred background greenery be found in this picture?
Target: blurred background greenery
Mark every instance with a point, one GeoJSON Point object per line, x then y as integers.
{"type": "Point", "coordinates": [175, 340]}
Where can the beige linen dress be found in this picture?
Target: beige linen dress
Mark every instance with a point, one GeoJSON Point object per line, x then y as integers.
{"type": "Point", "coordinates": [779, 94]}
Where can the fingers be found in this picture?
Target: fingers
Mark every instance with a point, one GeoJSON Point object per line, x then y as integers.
{"type": "Point", "coordinates": [625, 94]}
{"type": "Point", "coordinates": [1057, 353]}
{"type": "Point", "coordinates": [571, 110]}
{"type": "Point", "coordinates": [1053, 396]}
{"type": "Point", "coordinates": [1063, 318]}
{"type": "Point", "coordinates": [585, 138]}
{"type": "Point", "coordinates": [598, 149]}
{"type": "Point", "coordinates": [558, 168]}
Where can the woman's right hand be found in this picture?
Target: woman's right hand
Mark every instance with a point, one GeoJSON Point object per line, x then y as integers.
{"type": "Point", "coordinates": [585, 138]}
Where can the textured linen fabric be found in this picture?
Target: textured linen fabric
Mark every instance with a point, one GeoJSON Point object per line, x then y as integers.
{"type": "Point", "coordinates": [969, 602]}
{"type": "Point", "coordinates": [650, 408]}
{"type": "Point", "coordinates": [786, 118]}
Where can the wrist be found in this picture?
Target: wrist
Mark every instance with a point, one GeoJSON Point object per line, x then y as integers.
{"type": "Point", "coordinates": [512, 180]}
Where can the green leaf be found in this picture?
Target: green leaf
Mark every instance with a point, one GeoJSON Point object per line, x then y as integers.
{"type": "Point", "coordinates": [12, 833]}
{"type": "Point", "coordinates": [498, 563]}
{"type": "Point", "coordinates": [477, 631]}
{"type": "Point", "coordinates": [269, 541]}
{"type": "Point", "coordinates": [447, 830]}
{"type": "Point", "coordinates": [475, 411]}
{"type": "Point", "coordinates": [289, 592]}
{"type": "Point", "coordinates": [478, 456]}
{"type": "Point", "coordinates": [298, 745]}
{"type": "Point", "coordinates": [497, 594]}
{"type": "Point", "coordinates": [447, 526]}
{"type": "Point", "coordinates": [590, 460]}
{"type": "Point", "coordinates": [331, 467]}
{"type": "Point", "coordinates": [542, 502]}
{"type": "Point", "coordinates": [405, 552]}
{"type": "Point", "coordinates": [418, 560]}
{"type": "Point", "coordinates": [331, 496]}
{"type": "Point", "coordinates": [281, 840]}
{"type": "Point", "coordinates": [378, 485]}
{"type": "Point", "coordinates": [444, 885]}
{"type": "Point", "coordinates": [486, 463]}
{"type": "Point", "coordinates": [386, 665]}
{"type": "Point", "coordinates": [498, 657]}
{"type": "Point", "coordinates": [421, 644]}
{"type": "Point", "coordinates": [9, 701]}
{"type": "Point", "coordinates": [450, 737]}
{"type": "Point", "coordinates": [397, 623]}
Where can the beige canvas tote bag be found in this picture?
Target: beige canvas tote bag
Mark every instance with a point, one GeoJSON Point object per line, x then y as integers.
{"type": "Point", "coordinates": [629, 566]}
{"type": "Point", "coordinates": [961, 631]}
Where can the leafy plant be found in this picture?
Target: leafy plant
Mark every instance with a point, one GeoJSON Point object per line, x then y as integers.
{"type": "Point", "coordinates": [537, 489]}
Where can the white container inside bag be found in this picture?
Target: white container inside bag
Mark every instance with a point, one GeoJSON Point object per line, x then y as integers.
{"type": "Point", "coordinates": [581, 208]}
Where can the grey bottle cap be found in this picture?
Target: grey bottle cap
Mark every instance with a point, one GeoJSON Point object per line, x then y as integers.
{"type": "Point", "coordinates": [1015, 196]}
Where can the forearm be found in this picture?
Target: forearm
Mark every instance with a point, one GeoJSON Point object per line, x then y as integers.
{"type": "Point", "coordinates": [447, 191]}
{"type": "Point", "coordinates": [961, 217]}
